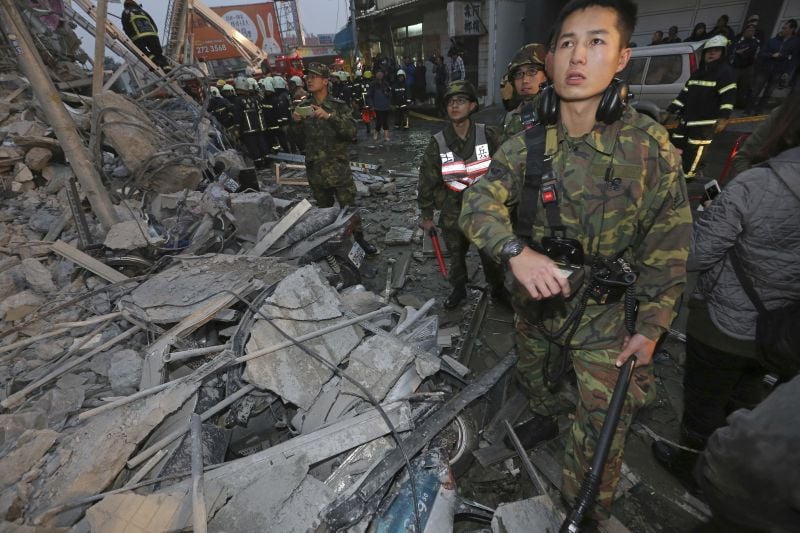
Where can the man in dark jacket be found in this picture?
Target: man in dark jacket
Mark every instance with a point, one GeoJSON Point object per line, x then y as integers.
{"type": "Point", "coordinates": [379, 98]}
{"type": "Point", "coordinates": [744, 59]}
{"type": "Point", "coordinates": [400, 101]}
{"type": "Point", "coordinates": [705, 104]}
{"type": "Point", "coordinates": [140, 27]}
{"type": "Point", "coordinates": [774, 64]}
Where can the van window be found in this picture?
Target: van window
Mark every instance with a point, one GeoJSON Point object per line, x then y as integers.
{"type": "Point", "coordinates": [664, 70]}
{"type": "Point", "coordinates": [633, 72]}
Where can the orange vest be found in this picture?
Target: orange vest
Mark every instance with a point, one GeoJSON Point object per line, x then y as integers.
{"type": "Point", "coordinates": [457, 173]}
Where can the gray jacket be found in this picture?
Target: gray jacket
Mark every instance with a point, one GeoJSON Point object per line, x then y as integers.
{"type": "Point", "coordinates": [758, 216]}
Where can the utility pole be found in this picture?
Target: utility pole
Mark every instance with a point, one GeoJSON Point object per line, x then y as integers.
{"type": "Point", "coordinates": [30, 62]}
{"type": "Point", "coordinates": [355, 32]}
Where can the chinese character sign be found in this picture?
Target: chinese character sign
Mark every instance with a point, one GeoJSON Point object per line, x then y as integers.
{"type": "Point", "coordinates": [464, 18]}
{"type": "Point", "coordinates": [257, 22]}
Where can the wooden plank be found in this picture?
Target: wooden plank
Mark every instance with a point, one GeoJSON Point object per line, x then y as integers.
{"type": "Point", "coordinates": [88, 262]}
{"type": "Point", "coordinates": [279, 229]}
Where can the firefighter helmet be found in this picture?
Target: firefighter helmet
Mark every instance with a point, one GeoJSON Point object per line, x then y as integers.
{"type": "Point", "coordinates": [266, 83]}
{"type": "Point", "coordinates": [278, 82]}
{"type": "Point", "coordinates": [342, 75]}
{"type": "Point", "coordinates": [221, 83]}
{"type": "Point", "coordinates": [296, 80]}
{"type": "Point", "coordinates": [358, 74]}
{"type": "Point", "coordinates": [530, 54]}
{"type": "Point", "coordinates": [228, 88]}
{"type": "Point", "coordinates": [461, 87]}
{"type": "Point", "coordinates": [368, 74]}
{"type": "Point", "coordinates": [252, 84]}
{"type": "Point", "coordinates": [241, 84]}
{"type": "Point", "coordinates": [213, 91]}
{"type": "Point", "coordinates": [717, 41]}
{"type": "Point", "coordinates": [401, 72]}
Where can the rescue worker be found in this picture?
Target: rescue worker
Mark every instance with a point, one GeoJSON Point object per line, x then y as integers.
{"type": "Point", "coordinates": [603, 182]}
{"type": "Point", "coordinates": [250, 120]}
{"type": "Point", "coordinates": [221, 109]}
{"type": "Point", "coordinates": [526, 72]}
{"type": "Point", "coordinates": [140, 28]}
{"type": "Point", "coordinates": [455, 159]}
{"type": "Point", "coordinates": [296, 90]}
{"type": "Point", "coordinates": [283, 112]}
{"type": "Point", "coordinates": [400, 101]}
{"type": "Point", "coordinates": [270, 115]}
{"type": "Point", "coordinates": [326, 127]}
{"type": "Point", "coordinates": [367, 113]}
{"type": "Point", "coordinates": [229, 95]}
{"type": "Point", "coordinates": [705, 104]}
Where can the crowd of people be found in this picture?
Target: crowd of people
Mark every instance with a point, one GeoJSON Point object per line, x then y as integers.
{"type": "Point", "coordinates": [583, 202]}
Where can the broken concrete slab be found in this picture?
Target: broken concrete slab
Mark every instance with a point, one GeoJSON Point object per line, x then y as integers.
{"type": "Point", "coordinates": [19, 305]}
{"type": "Point", "coordinates": [251, 210]}
{"type": "Point", "coordinates": [59, 403]}
{"type": "Point", "coordinates": [137, 148]}
{"type": "Point", "coordinates": [80, 470]}
{"type": "Point", "coordinates": [37, 158]}
{"type": "Point", "coordinates": [376, 364]}
{"type": "Point", "coordinates": [397, 236]}
{"type": "Point", "coordinates": [133, 513]}
{"type": "Point", "coordinates": [30, 447]}
{"type": "Point", "coordinates": [177, 292]}
{"type": "Point", "coordinates": [303, 295]}
{"type": "Point", "coordinates": [291, 373]}
{"type": "Point", "coordinates": [37, 275]}
{"type": "Point", "coordinates": [125, 371]}
{"type": "Point", "coordinates": [129, 235]}
{"type": "Point", "coordinates": [533, 514]}
{"type": "Point", "coordinates": [12, 426]}
{"type": "Point", "coordinates": [22, 173]}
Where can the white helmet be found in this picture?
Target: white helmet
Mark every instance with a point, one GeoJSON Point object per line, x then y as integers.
{"type": "Point", "coordinates": [241, 84]}
{"type": "Point", "coordinates": [214, 91]}
{"type": "Point", "coordinates": [228, 88]}
{"type": "Point", "coordinates": [266, 83]}
{"type": "Point", "coordinates": [717, 41]}
{"type": "Point", "coordinates": [296, 80]}
{"type": "Point", "coordinates": [358, 74]}
{"type": "Point", "coordinates": [278, 82]}
{"type": "Point", "coordinates": [401, 72]}
{"type": "Point", "coordinates": [342, 75]}
{"type": "Point", "coordinates": [252, 84]}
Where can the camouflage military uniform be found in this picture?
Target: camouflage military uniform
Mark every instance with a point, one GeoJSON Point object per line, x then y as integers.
{"type": "Point", "coordinates": [433, 194]}
{"type": "Point", "coordinates": [646, 216]}
{"type": "Point", "coordinates": [512, 122]}
{"type": "Point", "coordinates": [327, 161]}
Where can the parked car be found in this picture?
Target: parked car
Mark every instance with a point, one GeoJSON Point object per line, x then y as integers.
{"type": "Point", "coordinates": [656, 74]}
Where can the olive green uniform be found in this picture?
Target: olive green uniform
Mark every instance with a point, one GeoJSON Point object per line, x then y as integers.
{"type": "Point", "coordinates": [327, 143]}
{"type": "Point", "coordinates": [645, 216]}
{"type": "Point", "coordinates": [433, 194]}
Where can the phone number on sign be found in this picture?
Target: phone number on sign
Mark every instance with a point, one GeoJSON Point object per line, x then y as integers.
{"type": "Point", "coordinates": [211, 48]}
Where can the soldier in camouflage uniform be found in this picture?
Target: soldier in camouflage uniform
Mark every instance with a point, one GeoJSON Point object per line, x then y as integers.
{"type": "Point", "coordinates": [326, 133]}
{"type": "Point", "coordinates": [455, 158]}
{"type": "Point", "coordinates": [620, 190]}
{"type": "Point", "coordinates": [526, 72]}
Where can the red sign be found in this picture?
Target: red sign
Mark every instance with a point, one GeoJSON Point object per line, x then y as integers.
{"type": "Point", "coordinates": [257, 22]}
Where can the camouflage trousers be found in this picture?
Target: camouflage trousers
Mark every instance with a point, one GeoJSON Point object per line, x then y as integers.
{"type": "Point", "coordinates": [324, 193]}
{"type": "Point", "coordinates": [458, 246]}
{"type": "Point", "coordinates": [596, 376]}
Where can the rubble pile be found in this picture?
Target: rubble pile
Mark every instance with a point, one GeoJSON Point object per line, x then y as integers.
{"type": "Point", "coordinates": [206, 301]}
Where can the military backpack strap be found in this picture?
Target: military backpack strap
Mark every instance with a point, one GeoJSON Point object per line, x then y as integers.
{"type": "Point", "coordinates": [535, 167]}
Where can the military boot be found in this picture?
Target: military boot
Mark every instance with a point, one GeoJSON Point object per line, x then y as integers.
{"type": "Point", "coordinates": [456, 297]}
{"type": "Point", "coordinates": [369, 249]}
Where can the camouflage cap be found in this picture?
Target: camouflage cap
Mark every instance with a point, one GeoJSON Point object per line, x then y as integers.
{"type": "Point", "coordinates": [530, 54]}
{"type": "Point", "coordinates": [461, 87]}
{"type": "Point", "coordinates": [319, 69]}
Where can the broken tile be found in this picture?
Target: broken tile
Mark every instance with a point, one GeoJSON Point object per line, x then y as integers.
{"type": "Point", "coordinates": [30, 447]}
{"type": "Point", "coordinates": [303, 295]}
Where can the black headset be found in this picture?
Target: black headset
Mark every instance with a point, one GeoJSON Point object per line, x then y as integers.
{"type": "Point", "coordinates": [612, 104]}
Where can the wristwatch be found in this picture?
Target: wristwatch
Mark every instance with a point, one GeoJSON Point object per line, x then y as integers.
{"type": "Point", "coordinates": [511, 248]}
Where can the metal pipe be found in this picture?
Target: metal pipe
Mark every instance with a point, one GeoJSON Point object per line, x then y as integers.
{"type": "Point", "coordinates": [57, 116]}
{"type": "Point", "coordinates": [190, 354]}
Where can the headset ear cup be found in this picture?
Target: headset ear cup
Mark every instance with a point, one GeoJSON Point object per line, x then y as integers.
{"type": "Point", "coordinates": [548, 105]}
{"type": "Point", "coordinates": [613, 102]}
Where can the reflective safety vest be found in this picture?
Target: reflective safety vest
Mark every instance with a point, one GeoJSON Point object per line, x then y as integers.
{"type": "Point", "coordinates": [457, 173]}
{"type": "Point", "coordinates": [142, 25]}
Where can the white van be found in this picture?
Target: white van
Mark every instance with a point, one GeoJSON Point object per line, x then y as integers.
{"type": "Point", "coordinates": [656, 74]}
